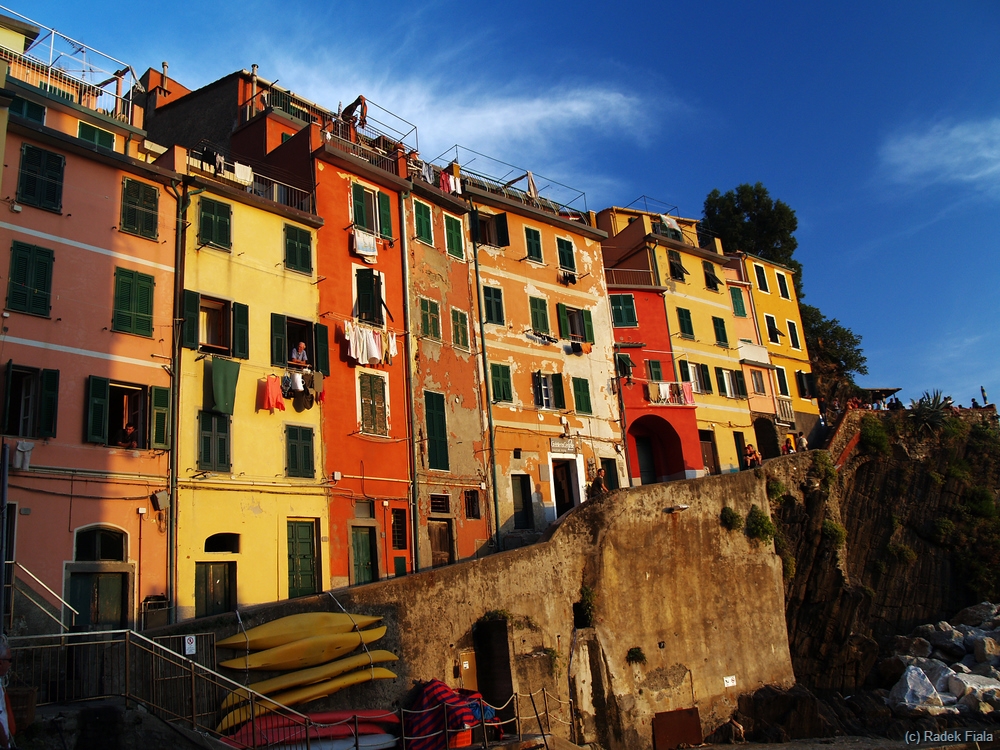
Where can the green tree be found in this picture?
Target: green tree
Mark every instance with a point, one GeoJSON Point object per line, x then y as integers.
{"type": "Point", "coordinates": [748, 219]}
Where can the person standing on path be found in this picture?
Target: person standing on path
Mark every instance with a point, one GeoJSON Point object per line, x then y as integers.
{"type": "Point", "coordinates": [801, 444]}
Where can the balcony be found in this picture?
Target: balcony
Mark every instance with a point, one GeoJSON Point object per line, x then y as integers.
{"type": "Point", "coordinates": [213, 161]}
{"type": "Point", "coordinates": [629, 277]}
{"type": "Point", "coordinates": [72, 71]}
{"type": "Point", "coordinates": [786, 412]}
{"type": "Point", "coordinates": [753, 354]}
{"type": "Point", "coordinates": [669, 394]}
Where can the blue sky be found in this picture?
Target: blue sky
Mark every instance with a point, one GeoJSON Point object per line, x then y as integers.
{"type": "Point", "coordinates": [879, 123]}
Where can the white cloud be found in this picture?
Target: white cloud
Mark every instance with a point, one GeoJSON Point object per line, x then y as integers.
{"type": "Point", "coordinates": [967, 153]}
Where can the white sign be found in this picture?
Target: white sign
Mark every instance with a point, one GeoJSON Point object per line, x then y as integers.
{"type": "Point", "coordinates": [190, 646]}
{"type": "Point", "coordinates": [729, 681]}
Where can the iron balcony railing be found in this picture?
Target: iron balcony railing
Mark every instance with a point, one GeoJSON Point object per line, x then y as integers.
{"type": "Point", "coordinates": [212, 160]}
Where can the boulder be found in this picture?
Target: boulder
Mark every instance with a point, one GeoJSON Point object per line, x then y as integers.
{"type": "Point", "coordinates": [993, 699]}
{"type": "Point", "coordinates": [890, 670]}
{"type": "Point", "coordinates": [771, 714]}
{"type": "Point", "coordinates": [905, 646]}
{"type": "Point", "coordinates": [961, 685]}
{"type": "Point", "coordinates": [985, 670]}
{"type": "Point", "coordinates": [948, 641]}
{"type": "Point", "coordinates": [975, 615]}
{"type": "Point", "coordinates": [914, 689]}
{"type": "Point", "coordinates": [986, 650]}
{"type": "Point", "coordinates": [960, 668]}
{"type": "Point", "coordinates": [937, 672]}
{"type": "Point", "coordinates": [923, 631]}
{"type": "Point", "coordinates": [975, 705]}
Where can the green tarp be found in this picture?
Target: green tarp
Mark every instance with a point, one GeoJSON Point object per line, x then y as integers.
{"type": "Point", "coordinates": [225, 373]}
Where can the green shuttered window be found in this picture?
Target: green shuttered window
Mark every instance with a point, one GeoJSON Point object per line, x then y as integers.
{"type": "Point", "coordinates": [299, 444]}
{"type": "Point", "coordinates": [539, 314]}
{"type": "Point", "coordinates": [430, 318]}
{"type": "Point", "coordinates": [97, 136]}
{"type": "Point", "coordinates": [216, 224]}
{"type": "Point", "coordinates": [40, 178]}
{"type": "Point", "coordinates": [453, 237]}
{"type": "Point", "coordinates": [459, 329]}
{"type": "Point", "coordinates": [140, 209]}
{"type": "Point", "coordinates": [721, 337]}
{"type": "Point", "coordinates": [159, 427]}
{"type": "Point", "coordinates": [567, 259]}
{"type": "Point", "coordinates": [500, 383]}
{"type": "Point", "coordinates": [493, 304]}
{"type": "Point", "coordinates": [739, 308]}
{"type": "Point", "coordinates": [29, 288]}
{"type": "Point", "coordinates": [422, 219]}
{"type": "Point", "coordinates": [133, 303]}
{"type": "Point", "coordinates": [374, 417]}
{"type": "Point", "coordinates": [654, 369]}
{"type": "Point", "coordinates": [213, 442]}
{"type": "Point", "coordinates": [623, 311]}
{"type": "Point", "coordinates": [372, 210]}
{"type": "Point", "coordinates": [369, 295]}
{"type": "Point", "coordinates": [241, 331]}
{"type": "Point", "coordinates": [684, 321]}
{"type": "Point", "coordinates": [321, 336]}
{"type": "Point", "coordinates": [28, 110]}
{"type": "Point", "coordinates": [533, 243]}
{"type": "Point", "coordinates": [574, 324]}
{"type": "Point", "coordinates": [298, 249]}
{"type": "Point", "coordinates": [98, 394]}
{"type": "Point", "coordinates": [581, 395]}
{"type": "Point", "coordinates": [437, 431]}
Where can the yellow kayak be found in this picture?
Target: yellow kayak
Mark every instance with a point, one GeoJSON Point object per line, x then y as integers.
{"type": "Point", "coordinates": [306, 652]}
{"type": "Point", "coordinates": [294, 628]}
{"type": "Point", "coordinates": [308, 676]}
{"type": "Point", "coordinates": [302, 695]}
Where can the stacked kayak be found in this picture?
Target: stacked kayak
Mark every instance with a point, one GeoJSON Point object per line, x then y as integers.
{"type": "Point", "coordinates": [310, 648]}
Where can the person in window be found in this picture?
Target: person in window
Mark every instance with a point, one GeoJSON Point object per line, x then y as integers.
{"type": "Point", "coordinates": [597, 487]}
{"type": "Point", "coordinates": [299, 356]}
{"type": "Point", "coordinates": [128, 438]}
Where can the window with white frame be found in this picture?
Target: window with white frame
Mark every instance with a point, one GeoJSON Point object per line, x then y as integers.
{"type": "Point", "coordinates": [761, 278]}
{"type": "Point", "coordinates": [423, 223]}
{"type": "Point", "coordinates": [782, 284]}
{"type": "Point", "coordinates": [373, 402]}
{"type": "Point", "coordinates": [757, 379]}
{"type": "Point", "coordinates": [793, 334]}
{"type": "Point", "coordinates": [549, 391]}
{"type": "Point", "coordinates": [774, 333]}
{"type": "Point", "coordinates": [779, 374]}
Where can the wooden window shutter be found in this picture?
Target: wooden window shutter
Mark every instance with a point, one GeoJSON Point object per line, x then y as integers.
{"type": "Point", "coordinates": [223, 224]}
{"type": "Point", "coordinates": [206, 440]}
{"type": "Point", "coordinates": [500, 225]}
{"type": "Point", "coordinates": [49, 408]}
{"type": "Point", "coordinates": [131, 199]}
{"type": "Point", "coordinates": [98, 394]}
{"type": "Point", "coordinates": [306, 444]}
{"type": "Point", "coordinates": [321, 347]}
{"type": "Point", "coordinates": [384, 215]}
{"type": "Point", "coordinates": [581, 395]}
{"type": "Point", "coordinates": [740, 383]}
{"type": "Point", "coordinates": [40, 286]}
{"type": "Point", "coordinates": [705, 378]}
{"type": "Point", "coordinates": [20, 284]}
{"type": "Point", "coordinates": [453, 236]}
{"type": "Point", "coordinates": [358, 194]}
{"type": "Point", "coordinates": [149, 214]}
{"type": "Point", "coordinates": [655, 370]}
{"type": "Point", "coordinates": [422, 220]}
{"type": "Point", "coordinates": [739, 308]}
{"type": "Point", "coordinates": [123, 319]}
{"type": "Point", "coordinates": [279, 347]}
{"type": "Point", "coordinates": [190, 332]}
{"type": "Point", "coordinates": [222, 444]}
{"type": "Point", "coordinates": [437, 431]}
{"type": "Point", "coordinates": [144, 304]}
{"type": "Point", "coordinates": [367, 408]}
{"type": "Point", "coordinates": [562, 313]}
{"type": "Point", "coordinates": [292, 450]}
{"type": "Point", "coordinates": [378, 402]}
{"type": "Point", "coordinates": [558, 392]}
{"type": "Point", "coordinates": [206, 226]}
{"type": "Point", "coordinates": [685, 372]}
{"type": "Point", "coordinates": [533, 240]}
{"type": "Point", "coordinates": [160, 421]}
{"type": "Point", "coordinates": [720, 331]}
{"type": "Point", "coordinates": [365, 279]}
{"type": "Point", "coordinates": [720, 379]}
{"type": "Point", "coordinates": [241, 331]}
{"type": "Point", "coordinates": [588, 326]}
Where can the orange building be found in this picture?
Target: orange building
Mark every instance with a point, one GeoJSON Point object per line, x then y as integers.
{"type": "Point", "coordinates": [86, 343]}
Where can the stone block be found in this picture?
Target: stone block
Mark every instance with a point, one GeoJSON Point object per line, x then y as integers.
{"type": "Point", "coordinates": [910, 646]}
{"type": "Point", "coordinates": [986, 649]}
{"type": "Point", "coordinates": [961, 685]}
{"type": "Point", "coordinates": [914, 689]}
{"type": "Point", "coordinates": [975, 615]}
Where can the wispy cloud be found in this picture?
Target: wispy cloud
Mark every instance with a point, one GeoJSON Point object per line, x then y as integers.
{"type": "Point", "coordinates": [963, 153]}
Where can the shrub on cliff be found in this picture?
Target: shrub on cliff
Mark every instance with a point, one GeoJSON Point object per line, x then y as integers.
{"type": "Point", "coordinates": [730, 519]}
{"type": "Point", "coordinates": [980, 502]}
{"type": "Point", "coordinates": [874, 439]}
{"type": "Point", "coordinates": [902, 552]}
{"type": "Point", "coordinates": [929, 412]}
{"type": "Point", "coordinates": [834, 533]}
{"type": "Point", "coordinates": [759, 526]}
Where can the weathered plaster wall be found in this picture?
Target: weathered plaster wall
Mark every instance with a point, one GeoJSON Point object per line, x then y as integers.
{"type": "Point", "coordinates": [701, 602]}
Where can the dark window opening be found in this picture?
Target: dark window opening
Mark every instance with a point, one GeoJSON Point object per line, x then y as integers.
{"type": "Point", "coordinates": [30, 401]}
{"type": "Point", "coordinates": [440, 504]}
{"type": "Point", "coordinates": [399, 529]}
{"type": "Point", "coordinates": [100, 545]}
{"type": "Point", "coordinates": [472, 504]}
{"type": "Point", "coordinates": [224, 542]}
{"type": "Point", "coordinates": [677, 269]}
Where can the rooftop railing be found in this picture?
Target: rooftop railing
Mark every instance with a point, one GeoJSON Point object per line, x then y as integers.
{"type": "Point", "coordinates": [629, 277]}
{"type": "Point", "coordinates": [212, 160]}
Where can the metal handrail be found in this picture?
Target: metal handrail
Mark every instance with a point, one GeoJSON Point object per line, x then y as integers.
{"type": "Point", "coordinates": [41, 607]}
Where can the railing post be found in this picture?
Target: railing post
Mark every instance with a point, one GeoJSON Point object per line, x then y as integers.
{"type": "Point", "coordinates": [128, 672]}
{"type": "Point", "coordinates": [545, 707]}
{"type": "Point", "coordinates": [357, 733]}
{"type": "Point", "coordinates": [194, 699]}
{"type": "Point", "coordinates": [402, 730]}
{"type": "Point", "coordinates": [482, 723]}
{"type": "Point", "coordinates": [446, 737]}
{"type": "Point", "coordinates": [517, 714]}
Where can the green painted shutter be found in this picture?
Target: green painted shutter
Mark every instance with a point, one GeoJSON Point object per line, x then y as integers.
{"type": "Point", "coordinates": [684, 319]}
{"type": "Point", "coordinates": [305, 250]}
{"type": "Point", "coordinates": [19, 284]}
{"type": "Point", "coordinates": [321, 347]}
{"type": "Point", "coordinates": [720, 379]}
{"type": "Point", "coordinates": [41, 281]}
{"type": "Point", "coordinates": [367, 412]}
{"type": "Point", "coordinates": [539, 314]}
{"type": "Point", "coordinates": [384, 215]}
{"type": "Point", "coordinates": [40, 178]}
{"type": "Point", "coordinates": [292, 451]}
{"type": "Point", "coordinates": [500, 225]}
{"type": "Point", "coordinates": [558, 392]}
{"type": "Point", "coordinates": [588, 326]}
{"type": "Point", "coordinates": [500, 380]}
{"type": "Point", "coordinates": [98, 395]}
{"type": "Point", "coordinates": [685, 372]}
{"type": "Point", "coordinates": [123, 319]}
{"type": "Point", "coordinates": [453, 236]}
{"type": "Point", "coordinates": [720, 331]}
{"type": "Point", "coordinates": [740, 383]}
{"type": "Point", "coordinates": [206, 440]}
{"type": "Point", "coordinates": [617, 313]}
{"type": "Point", "coordinates": [130, 205]}
{"type": "Point", "coordinates": [279, 346]}
{"type": "Point", "coordinates": [306, 444]}
{"type": "Point", "coordinates": [190, 332]}
{"type": "Point", "coordinates": [149, 214]}
{"type": "Point", "coordinates": [49, 408]}
{"type": "Point", "coordinates": [581, 395]}
{"type": "Point", "coordinates": [241, 331]}
{"type": "Point", "coordinates": [365, 279]}
{"type": "Point", "coordinates": [739, 308]}
{"type": "Point", "coordinates": [223, 225]}
{"type": "Point", "coordinates": [298, 249]}
{"type": "Point", "coordinates": [437, 431]}
{"type": "Point", "coordinates": [563, 315]}
{"type": "Point", "coordinates": [422, 221]}
{"type": "Point", "coordinates": [206, 226]}
{"type": "Point", "coordinates": [533, 241]}
{"type": "Point", "coordinates": [358, 193]}
{"type": "Point", "coordinates": [144, 285]}
{"type": "Point", "coordinates": [655, 370]}
{"type": "Point", "coordinates": [222, 444]}
{"type": "Point", "coordinates": [160, 422]}
{"type": "Point", "coordinates": [705, 377]}
{"type": "Point", "coordinates": [474, 229]}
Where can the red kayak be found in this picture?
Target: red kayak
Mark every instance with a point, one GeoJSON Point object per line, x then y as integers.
{"type": "Point", "coordinates": [273, 729]}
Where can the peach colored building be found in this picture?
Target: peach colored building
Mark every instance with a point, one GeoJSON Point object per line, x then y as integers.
{"type": "Point", "coordinates": [86, 344]}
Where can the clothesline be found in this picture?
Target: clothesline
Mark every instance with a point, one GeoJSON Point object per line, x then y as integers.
{"type": "Point", "coordinates": [353, 319]}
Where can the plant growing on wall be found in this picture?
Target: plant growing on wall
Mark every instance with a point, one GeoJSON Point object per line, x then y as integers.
{"type": "Point", "coordinates": [874, 439]}
{"type": "Point", "coordinates": [775, 489]}
{"type": "Point", "coordinates": [834, 533]}
{"type": "Point", "coordinates": [583, 610]}
{"type": "Point", "coordinates": [730, 519]}
{"type": "Point", "coordinates": [759, 526]}
{"type": "Point", "coordinates": [635, 655]}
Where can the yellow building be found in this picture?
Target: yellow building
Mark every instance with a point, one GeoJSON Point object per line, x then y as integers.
{"type": "Point", "coordinates": [251, 513]}
{"type": "Point", "coordinates": [779, 321]}
{"type": "Point", "coordinates": [702, 326]}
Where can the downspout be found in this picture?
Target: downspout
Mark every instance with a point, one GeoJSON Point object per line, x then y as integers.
{"type": "Point", "coordinates": [487, 383]}
{"type": "Point", "coordinates": [412, 454]}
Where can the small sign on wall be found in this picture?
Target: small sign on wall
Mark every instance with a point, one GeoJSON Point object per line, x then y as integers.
{"type": "Point", "coordinates": [190, 647]}
{"type": "Point", "coordinates": [729, 681]}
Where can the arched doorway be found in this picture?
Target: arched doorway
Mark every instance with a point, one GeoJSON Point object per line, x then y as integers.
{"type": "Point", "coordinates": [657, 452]}
{"type": "Point", "coordinates": [767, 437]}
{"type": "Point", "coordinates": [99, 584]}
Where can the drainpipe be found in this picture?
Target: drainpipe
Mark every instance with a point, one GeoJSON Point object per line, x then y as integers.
{"type": "Point", "coordinates": [412, 454]}
{"type": "Point", "coordinates": [486, 382]}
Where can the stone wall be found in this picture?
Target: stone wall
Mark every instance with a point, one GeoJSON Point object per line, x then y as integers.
{"type": "Point", "coordinates": [702, 603]}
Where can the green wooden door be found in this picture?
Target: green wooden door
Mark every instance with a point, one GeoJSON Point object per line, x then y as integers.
{"type": "Point", "coordinates": [302, 578]}
{"type": "Point", "coordinates": [363, 541]}
{"type": "Point", "coordinates": [214, 587]}
{"type": "Point", "coordinates": [99, 598]}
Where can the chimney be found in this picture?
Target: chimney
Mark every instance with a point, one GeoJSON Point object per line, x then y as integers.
{"type": "Point", "coordinates": [163, 82]}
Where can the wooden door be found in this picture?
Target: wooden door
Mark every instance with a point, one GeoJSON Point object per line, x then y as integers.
{"type": "Point", "coordinates": [440, 535]}
{"type": "Point", "coordinates": [302, 576]}
{"type": "Point", "coordinates": [100, 600]}
{"type": "Point", "coordinates": [708, 454]}
{"type": "Point", "coordinates": [365, 554]}
{"type": "Point", "coordinates": [562, 477]}
{"type": "Point", "coordinates": [647, 460]}
{"type": "Point", "coordinates": [214, 588]}
{"type": "Point", "coordinates": [524, 514]}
